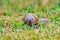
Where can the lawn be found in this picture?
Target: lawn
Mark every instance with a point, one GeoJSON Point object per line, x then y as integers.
{"type": "Point", "coordinates": [13, 11]}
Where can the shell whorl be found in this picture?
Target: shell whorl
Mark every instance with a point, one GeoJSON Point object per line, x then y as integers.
{"type": "Point", "coordinates": [30, 19]}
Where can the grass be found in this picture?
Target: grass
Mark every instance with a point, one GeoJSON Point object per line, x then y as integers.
{"type": "Point", "coordinates": [14, 10]}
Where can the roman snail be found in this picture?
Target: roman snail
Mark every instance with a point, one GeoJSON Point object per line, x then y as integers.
{"type": "Point", "coordinates": [31, 19]}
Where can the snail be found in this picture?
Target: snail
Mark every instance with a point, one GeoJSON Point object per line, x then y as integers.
{"type": "Point", "coordinates": [31, 19]}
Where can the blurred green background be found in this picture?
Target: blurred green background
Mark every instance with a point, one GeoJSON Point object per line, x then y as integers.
{"type": "Point", "coordinates": [12, 11]}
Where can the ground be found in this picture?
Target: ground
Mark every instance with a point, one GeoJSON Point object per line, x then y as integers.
{"type": "Point", "coordinates": [13, 11]}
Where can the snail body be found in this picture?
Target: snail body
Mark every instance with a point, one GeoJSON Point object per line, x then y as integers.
{"type": "Point", "coordinates": [44, 20]}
